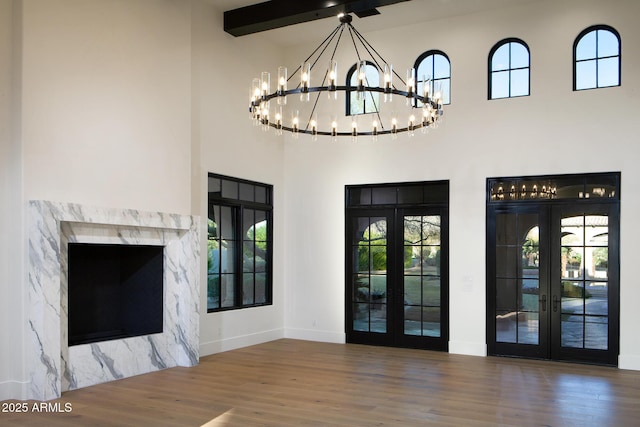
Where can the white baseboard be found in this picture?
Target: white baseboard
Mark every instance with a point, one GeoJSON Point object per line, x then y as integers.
{"type": "Point", "coordinates": [14, 390]}
{"type": "Point", "coordinates": [315, 335]}
{"type": "Point", "coordinates": [468, 348]}
{"type": "Point", "coordinates": [226, 344]}
{"type": "Point", "coordinates": [629, 362]}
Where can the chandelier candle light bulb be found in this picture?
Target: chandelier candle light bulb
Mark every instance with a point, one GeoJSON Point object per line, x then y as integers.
{"type": "Point", "coordinates": [314, 126]}
{"type": "Point", "coordinates": [305, 81]}
{"type": "Point", "coordinates": [295, 122]}
{"type": "Point", "coordinates": [278, 117]}
{"type": "Point", "coordinates": [265, 84]}
{"type": "Point", "coordinates": [426, 88]}
{"type": "Point", "coordinates": [388, 82]}
{"type": "Point", "coordinates": [334, 128]}
{"type": "Point", "coordinates": [255, 100]}
{"type": "Point", "coordinates": [282, 85]}
{"type": "Point", "coordinates": [411, 84]}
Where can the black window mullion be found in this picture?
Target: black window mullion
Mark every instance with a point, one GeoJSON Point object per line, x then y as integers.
{"type": "Point", "coordinates": [597, 80]}
{"type": "Point", "coordinates": [509, 86]}
{"type": "Point", "coordinates": [219, 236]}
{"type": "Point", "coordinates": [238, 257]}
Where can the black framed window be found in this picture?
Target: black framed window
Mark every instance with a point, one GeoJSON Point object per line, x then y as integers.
{"type": "Point", "coordinates": [509, 69]}
{"type": "Point", "coordinates": [239, 243]}
{"type": "Point", "coordinates": [434, 67]}
{"type": "Point", "coordinates": [363, 102]}
{"type": "Point", "coordinates": [596, 58]}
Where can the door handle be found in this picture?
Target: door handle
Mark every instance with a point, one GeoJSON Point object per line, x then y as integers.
{"type": "Point", "coordinates": [543, 301]}
{"type": "Point", "coordinates": [555, 303]}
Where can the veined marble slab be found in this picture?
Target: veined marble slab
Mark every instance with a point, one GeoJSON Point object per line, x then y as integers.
{"type": "Point", "coordinates": [55, 367]}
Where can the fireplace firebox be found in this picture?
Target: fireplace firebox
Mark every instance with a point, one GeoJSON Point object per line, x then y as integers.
{"type": "Point", "coordinates": [115, 291]}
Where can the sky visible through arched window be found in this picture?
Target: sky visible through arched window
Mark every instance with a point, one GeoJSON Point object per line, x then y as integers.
{"type": "Point", "coordinates": [510, 69]}
{"type": "Point", "coordinates": [597, 58]}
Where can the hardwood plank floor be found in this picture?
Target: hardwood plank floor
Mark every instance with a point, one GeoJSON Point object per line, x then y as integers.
{"type": "Point", "coordinates": [301, 383]}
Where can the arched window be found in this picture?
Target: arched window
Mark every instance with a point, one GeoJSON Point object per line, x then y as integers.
{"type": "Point", "coordinates": [596, 58]}
{"type": "Point", "coordinates": [363, 102]}
{"type": "Point", "coordinates": [509, 69]}
{"type": "Point", "coordinates": [434, 66]}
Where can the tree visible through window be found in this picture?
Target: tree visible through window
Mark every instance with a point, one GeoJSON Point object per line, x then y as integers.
{"type": "Point", "coordinates": [509, 69]}
{"type": "Point", "coordinates": [596, 58]}
{"type": "Point", "coordinates": [238, 243]}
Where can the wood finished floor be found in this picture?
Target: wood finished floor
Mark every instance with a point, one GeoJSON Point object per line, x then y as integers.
{"type": "Point", "coordinates": [301, 383]}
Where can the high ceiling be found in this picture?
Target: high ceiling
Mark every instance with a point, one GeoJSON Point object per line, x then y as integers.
{"type": "Point", "coordinates": [395, 15]}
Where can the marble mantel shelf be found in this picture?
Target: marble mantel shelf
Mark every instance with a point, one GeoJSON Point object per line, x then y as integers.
{"type": "Point", "coordinates": [55, 367]}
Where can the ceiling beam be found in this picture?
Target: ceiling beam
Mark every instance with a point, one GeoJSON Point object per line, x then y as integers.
{"type": "Point", "coordinates": [280, 13]}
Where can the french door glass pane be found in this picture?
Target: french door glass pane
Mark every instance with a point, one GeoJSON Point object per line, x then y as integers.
{"type": "Point", "coordinates": [421, 280]}
{"type": "Point", "coordinates": [584, 275]}
{"type": "Point", "coordinates": [517, 279]}
{"type": "Point", "coordinates": [431, 321]}
{"type": "Point", "coordinates": [369, 275]}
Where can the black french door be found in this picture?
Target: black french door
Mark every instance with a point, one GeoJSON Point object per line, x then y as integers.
{"type": "Point", "coordinates": [553, 272]}
{"type": "Point", "coordinates": [397, 275]}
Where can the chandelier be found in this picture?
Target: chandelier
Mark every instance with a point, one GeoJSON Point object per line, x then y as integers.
{"type": "Point", "coordinates": [311, 109]}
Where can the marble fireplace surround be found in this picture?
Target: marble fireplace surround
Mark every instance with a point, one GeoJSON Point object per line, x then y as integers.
{"type": "Point", "coordinates": [53, 366]}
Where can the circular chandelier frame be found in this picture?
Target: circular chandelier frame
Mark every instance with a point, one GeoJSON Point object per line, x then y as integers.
{"type": "Point", "coordinates": [431, 103]}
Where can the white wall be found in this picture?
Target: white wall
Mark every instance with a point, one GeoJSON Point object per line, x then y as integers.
{"type": "Point", "coordinates": [11, 218]}
{"type": "Point", "coordinates": [106, 103]}
{"type": "Point", "coordinates": [223, 67]}
{"type": "Point", "coordinates": [553, 131]}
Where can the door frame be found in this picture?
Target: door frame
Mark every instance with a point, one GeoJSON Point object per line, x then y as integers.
{"type": "Point", "coordinates": [392, 201]}
{"type": "Point", "coordinates": [550, 209]}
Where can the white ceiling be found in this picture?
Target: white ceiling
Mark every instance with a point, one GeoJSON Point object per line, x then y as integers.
{"type": "Point", "coordinates": [396, 15]}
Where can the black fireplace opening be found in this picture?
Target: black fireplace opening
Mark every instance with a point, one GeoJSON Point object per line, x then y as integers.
{"type": "Point", "coordinates": [115, 291]}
